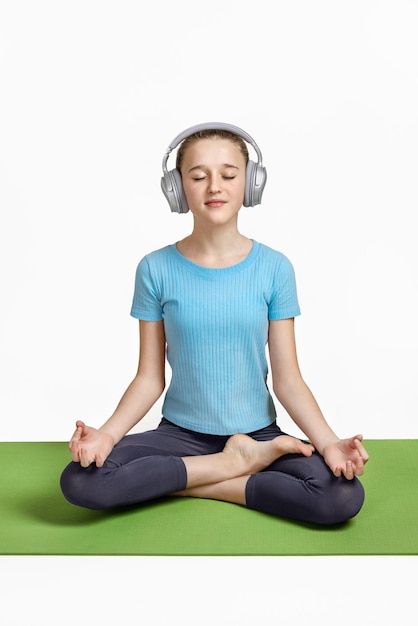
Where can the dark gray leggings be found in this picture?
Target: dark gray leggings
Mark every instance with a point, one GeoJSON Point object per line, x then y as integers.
{"type": "Point", "coordinates": [148, 465]}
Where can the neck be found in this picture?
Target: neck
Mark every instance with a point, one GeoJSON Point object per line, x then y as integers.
{"type": "Point", "coordinates": [215, 247]}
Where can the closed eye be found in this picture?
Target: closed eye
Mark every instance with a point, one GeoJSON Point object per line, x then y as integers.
{"type": "Point", "coordinates": [197, 178]}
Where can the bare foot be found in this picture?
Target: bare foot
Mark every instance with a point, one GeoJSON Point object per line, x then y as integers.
{"type": "Point", "coordinates": [254, 456]}
{"type": "Point", "coordinates": [241, 456]}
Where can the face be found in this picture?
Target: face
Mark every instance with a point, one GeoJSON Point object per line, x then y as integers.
{"type": "Point", "coordinates": [213, 177]}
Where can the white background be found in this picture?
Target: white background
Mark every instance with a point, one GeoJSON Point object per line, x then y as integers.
{"type": "Point", "coordinates": [91, 95]}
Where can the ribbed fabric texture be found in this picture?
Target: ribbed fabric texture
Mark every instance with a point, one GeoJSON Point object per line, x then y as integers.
{"type": "Point", "coordinates": [216, 326]}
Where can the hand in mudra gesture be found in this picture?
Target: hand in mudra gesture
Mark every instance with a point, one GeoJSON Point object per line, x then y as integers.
{"type": "Point", "coordinates": [89, 445]}
{"type": "Point", "coordinates": [346, 457]}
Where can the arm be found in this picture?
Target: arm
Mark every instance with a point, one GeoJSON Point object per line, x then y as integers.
{"type": "Point", "coordinates": [90, 445]}
{"type": "Point", "coordinates": [345, 456]}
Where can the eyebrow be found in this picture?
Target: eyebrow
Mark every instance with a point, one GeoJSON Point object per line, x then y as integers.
{"type": "Point", "coordinates": [204, 167]}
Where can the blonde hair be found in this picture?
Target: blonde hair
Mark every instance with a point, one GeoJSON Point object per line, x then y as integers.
{"type": "Point", "coordinates": [210, 134]}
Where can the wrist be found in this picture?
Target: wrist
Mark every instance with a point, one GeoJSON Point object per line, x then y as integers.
{"type": "Point", "coordinates": [110, 434]}
{"type": "Point", "coordinates": [323, 445]}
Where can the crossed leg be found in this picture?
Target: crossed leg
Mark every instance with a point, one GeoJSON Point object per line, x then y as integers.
{"type": "Point", "coordinates": [283, 477]}
{"type": "Point", "coordinates": [266, 470]}
{"type": "Point", "coordinates": [224, 475]}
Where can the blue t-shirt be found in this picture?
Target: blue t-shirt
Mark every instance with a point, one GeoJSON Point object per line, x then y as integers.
{"type": "Point", "coordinates": [216, 326]}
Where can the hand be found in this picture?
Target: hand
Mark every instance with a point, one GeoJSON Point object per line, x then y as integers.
{"type": "Point", "coordinates": [346, 456]}
{"type": "Point", "coordinates": [89, 445]}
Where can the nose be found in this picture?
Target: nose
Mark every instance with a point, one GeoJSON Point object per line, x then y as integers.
{"type": "Point", "coordinates": [214, 184]}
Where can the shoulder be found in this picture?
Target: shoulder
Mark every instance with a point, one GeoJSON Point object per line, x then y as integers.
{"type": "Point", "coordinates": [274, 258]}
{"type": "Point", "coordinates": [156, 258]}
{"type": "Point", "coordinates": [161, 254]}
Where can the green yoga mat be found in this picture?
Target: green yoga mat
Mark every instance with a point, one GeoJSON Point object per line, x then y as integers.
{"type": "Point", "coordinates": [35, 519]}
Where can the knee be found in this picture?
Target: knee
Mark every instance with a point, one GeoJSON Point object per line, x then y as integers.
{"type": "Point", "coordinates": [79, 487]}
{"type": "Point", "coordinates": [342, 503]}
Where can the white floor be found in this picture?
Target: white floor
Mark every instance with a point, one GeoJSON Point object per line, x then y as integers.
{"type": "Point", "coordinates": [337, 591]}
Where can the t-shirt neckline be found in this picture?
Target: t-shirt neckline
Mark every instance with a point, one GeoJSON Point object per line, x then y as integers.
{"type": "Point", "coordinates": [230, 269]}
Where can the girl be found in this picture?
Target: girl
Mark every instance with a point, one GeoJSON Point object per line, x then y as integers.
{"type": "Point", "coordinates": [212, 302]}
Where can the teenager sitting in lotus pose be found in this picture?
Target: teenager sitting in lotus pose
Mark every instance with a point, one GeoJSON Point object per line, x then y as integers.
{"type": "Point", "coordinates": [212, 302]}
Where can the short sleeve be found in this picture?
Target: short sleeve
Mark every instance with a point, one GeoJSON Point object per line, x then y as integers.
{"type": "Point", "coordinates": [284, 300]}
{"type": "Point", "coordinates": [146, 304]}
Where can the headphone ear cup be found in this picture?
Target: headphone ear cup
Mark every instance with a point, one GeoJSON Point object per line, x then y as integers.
{"type": "Point", "coordinates": [172, 188]}
{"type": "Point", "coordinates": [255, 180]}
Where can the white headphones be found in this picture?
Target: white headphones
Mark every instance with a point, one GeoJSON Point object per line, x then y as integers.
{"type": "Point", "coordinates": [255, 176]}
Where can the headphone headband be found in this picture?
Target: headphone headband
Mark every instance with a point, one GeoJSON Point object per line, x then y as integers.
{"type": "Point", "coordinates": [211, 126]}
{"type": "Point", "coordinates": [255, 179]}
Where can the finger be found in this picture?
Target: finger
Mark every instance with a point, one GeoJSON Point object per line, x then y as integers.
{"type": "Point", "coordinates": [363, 453]}
{"type": "Point", "coordinates": [74, 451]}
{"type": "Point", "coordinates": [77, 434]}
{"type": "Point", "coordinates": [307, 449]}
{"type": "Point", "coordinates": [85, 460]}
{"type": "Point", "coordinates": [83, 428]}
{"type": "Point", "coordinates": [361, 450]}
{"type": "Point", "coordinates": [349, 471]}
{"type": "Point", "coordinates": [355, 441]}
{"type": "Point", "coordinates": [337, 471]}
{"type": "Point", "coordinates": [359, 467]}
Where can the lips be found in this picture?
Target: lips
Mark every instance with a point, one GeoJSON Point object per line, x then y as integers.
{"type": "Point", "coordinates": [214, 204]}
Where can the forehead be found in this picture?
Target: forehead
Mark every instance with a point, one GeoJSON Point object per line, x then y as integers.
{"type": "Point", "coordinates": [213, 150]}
